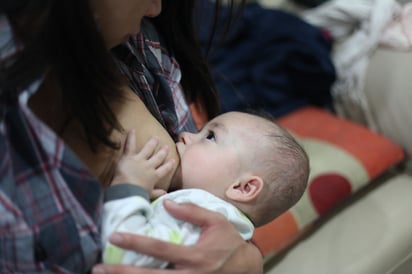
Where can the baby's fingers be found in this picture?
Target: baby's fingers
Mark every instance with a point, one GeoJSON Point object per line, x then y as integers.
{"type": "Point", "coordinates": [158, 161]}
{"type": "Point", "coordinates": [159, 157]}
{"type": "Point", "coordinates": [149, 148]}
{"type": "Point", "coordinates": [165, 168]}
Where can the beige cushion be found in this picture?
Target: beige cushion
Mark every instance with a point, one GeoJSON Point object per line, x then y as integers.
{"type": "Point", "coordinates": [389, 92]}
{"type": "Point", "coordinates": [372, 235]}
{"type": "Point", "coordinates": [344, 158]}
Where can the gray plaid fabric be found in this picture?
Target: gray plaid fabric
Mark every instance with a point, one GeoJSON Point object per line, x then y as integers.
{"type": "Point", "coordinates": [50, 204]}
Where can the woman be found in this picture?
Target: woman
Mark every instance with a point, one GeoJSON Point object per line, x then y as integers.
{"type": "Point", "coordinates": [64, 110]}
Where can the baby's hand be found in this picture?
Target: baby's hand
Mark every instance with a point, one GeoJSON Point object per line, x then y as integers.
{"type": "Point", "coordinates": [144, 168]}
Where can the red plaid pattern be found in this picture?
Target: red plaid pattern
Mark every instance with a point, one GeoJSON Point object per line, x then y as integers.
{"type": "Point", "coordinates": [50, 205]}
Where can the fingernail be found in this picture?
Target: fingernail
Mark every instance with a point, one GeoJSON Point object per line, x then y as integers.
{"type": "Point", "coordinates": [98, 270]}
{"type": "Point", "coordinates": [116, 238]}
{"type": "Point", "coordinates": [170, 203]}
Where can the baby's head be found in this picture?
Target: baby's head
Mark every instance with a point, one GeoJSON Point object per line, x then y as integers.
{"type": "Point", "coordinates": [248, 161]}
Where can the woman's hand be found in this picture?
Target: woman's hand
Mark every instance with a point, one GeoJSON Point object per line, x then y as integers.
{"type": "Point", "coordinates": [220, 248]}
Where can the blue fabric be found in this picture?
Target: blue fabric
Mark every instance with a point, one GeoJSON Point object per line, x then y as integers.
{"type": "Point", "coordinates": [270, 60]}
{"type": "Point", "coordinates": [310, 3]}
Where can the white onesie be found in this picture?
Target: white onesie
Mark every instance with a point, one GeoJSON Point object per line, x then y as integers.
{"type": "Point", "coordinates": [135, 214]}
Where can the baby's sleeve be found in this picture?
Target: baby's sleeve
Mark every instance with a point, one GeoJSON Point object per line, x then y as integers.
{"type": "Point", "coordinates": [132, 212]}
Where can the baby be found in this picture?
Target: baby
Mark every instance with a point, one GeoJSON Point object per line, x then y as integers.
{"type": "Point", "coordinates": [241, 165]}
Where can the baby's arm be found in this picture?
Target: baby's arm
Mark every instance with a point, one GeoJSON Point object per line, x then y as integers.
{"type": "Point", "coordinates": [127, 204]}
{"type": "Point", "coordinates": [136, 216]}
{"type": "Point", "coordinates": [133, 215]}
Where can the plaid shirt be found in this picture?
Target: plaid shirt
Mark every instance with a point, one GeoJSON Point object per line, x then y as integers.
{"type": "Point", "coordinates": [50, 204]}
{"type": "Point", "coordinates": [157, 83]}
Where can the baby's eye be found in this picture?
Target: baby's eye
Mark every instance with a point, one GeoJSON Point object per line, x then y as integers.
{"type": "Point", "coordinates": [211, 136]}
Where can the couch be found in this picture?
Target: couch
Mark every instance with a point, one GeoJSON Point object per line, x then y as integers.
{"type": "Point", "coordinates": [354, 216]}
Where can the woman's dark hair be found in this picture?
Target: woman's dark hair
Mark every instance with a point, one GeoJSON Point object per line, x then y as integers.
{"type": "Point", "coordinates": [176, 25]}
{"type": "Point", "coordinates": [61, 36]}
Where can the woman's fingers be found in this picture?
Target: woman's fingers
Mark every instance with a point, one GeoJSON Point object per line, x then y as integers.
{"type": "Point", "coordinates": [150, 246]}
{"type": "Point", "coordinates": [177, 254]}
{"type": "Point", "coordinates": [118, 269]}
{"type": "Point", "coordinates": [193, 214]}
{"type": "Point", "coordinates": [220, 249]}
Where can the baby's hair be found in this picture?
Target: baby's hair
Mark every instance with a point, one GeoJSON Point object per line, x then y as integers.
{"type": "Point", "coordinates": [284, 167]}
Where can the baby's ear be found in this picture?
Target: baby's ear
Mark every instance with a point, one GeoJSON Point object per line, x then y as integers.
{"type": "Point", "coordinates": [246, 189]}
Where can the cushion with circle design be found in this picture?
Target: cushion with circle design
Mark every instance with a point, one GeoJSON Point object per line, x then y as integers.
{"type": "Point", "coordinates": [344, 158]}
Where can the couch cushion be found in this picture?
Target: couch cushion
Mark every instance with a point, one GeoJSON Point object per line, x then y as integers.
{"type": "Point", "coordinates": [344, 158]}
{"type": "Point", "coordinates": [388, 89]}
{"type": "Point", "coordinates": [370, 235]}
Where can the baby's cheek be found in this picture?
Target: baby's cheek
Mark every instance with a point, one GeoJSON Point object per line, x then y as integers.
{"type": "Point", "coordinates": [193, 171]}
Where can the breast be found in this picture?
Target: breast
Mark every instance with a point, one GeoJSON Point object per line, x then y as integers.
{"type": "Point", "coordinates": [131, 114]}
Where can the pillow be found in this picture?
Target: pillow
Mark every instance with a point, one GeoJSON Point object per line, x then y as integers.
{"type": "Point", "coordinates": [388, 91]}
{"type": "Point", "coordinates": [344, 158]}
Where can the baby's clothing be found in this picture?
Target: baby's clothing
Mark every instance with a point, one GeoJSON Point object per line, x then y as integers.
{"type": "Point", "coordinates": [135, 214]}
